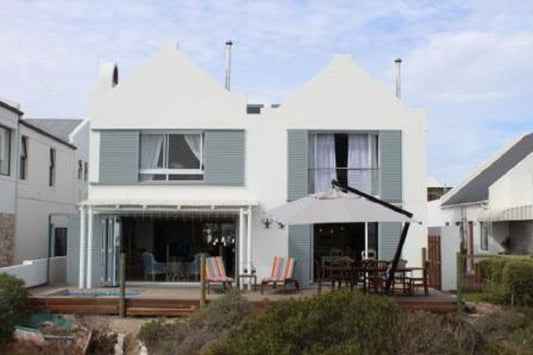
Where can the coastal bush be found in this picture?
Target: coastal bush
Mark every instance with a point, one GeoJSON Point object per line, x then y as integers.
{"type": "Point", "coordinates": [337, 322]}
{"type": "Point", "coordinates": [13, 297]}
{"type": "Point", "coordinates": [206, 325]}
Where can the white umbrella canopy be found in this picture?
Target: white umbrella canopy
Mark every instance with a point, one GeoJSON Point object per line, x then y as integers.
{"type": "Point", "coordinates": [335, 206]}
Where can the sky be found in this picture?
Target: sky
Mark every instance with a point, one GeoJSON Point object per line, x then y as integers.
{"type": "Point", "coordinates": [468, 64]}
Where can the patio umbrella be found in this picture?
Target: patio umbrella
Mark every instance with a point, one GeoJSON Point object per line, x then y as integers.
{"type": "Point", "coordinates": [343, 204]}
{"type": "Point", "coordinates": [335, 206]}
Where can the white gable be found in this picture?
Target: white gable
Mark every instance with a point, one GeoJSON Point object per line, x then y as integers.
{"type": "Point", "coordinates": [344, 94]}
{"type": "Point", "coordinates": [169, 91]}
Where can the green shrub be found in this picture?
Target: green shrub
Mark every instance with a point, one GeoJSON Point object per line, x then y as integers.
{"type": "Point", "coordinates": [518, 280]}
{"type": "Point", "coordinates": [13, 296]}
{"type": "Point", "coordinates": [338, 322]}
{"type": "Point", "coordinates": [208, 324]}
{"type": "Point", "coordinates": [492, 268]}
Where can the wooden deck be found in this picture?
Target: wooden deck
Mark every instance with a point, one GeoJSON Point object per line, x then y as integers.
{"type": "Point", "coordinates": [167, 301]}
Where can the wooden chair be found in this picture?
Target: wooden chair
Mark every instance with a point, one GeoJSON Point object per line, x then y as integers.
{"type": "Point", "coordinates": [421, 280]}
{"type": "Point", "coordinates": [281, 273]}
{"type": "Point", "coordinates": [216, 273]}
{"type": "Point", "coordinates": [375, 275]}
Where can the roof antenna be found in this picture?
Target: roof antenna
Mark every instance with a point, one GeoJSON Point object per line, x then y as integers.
{"type": "Point", "coordinates": [227, 83]}
{"type": "Point", "coordinates": [398, 63]}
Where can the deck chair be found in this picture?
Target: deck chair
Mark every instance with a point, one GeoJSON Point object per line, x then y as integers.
{"type": "Point", "coordinates": [281, 273]}
{"type": "Point", "coordinates": [216, 273]}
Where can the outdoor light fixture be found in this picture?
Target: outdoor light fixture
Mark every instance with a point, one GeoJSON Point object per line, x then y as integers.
{"type": "Point", "coordinates": [266, 222]}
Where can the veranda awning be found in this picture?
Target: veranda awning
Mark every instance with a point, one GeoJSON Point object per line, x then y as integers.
{"type": "Point", "coordinates": [516, 213]}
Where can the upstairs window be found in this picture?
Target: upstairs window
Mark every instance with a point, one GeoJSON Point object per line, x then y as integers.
{"type": "Point", "coordinates": [168, 157]}
{"type": "Point", "coordinates": [80, 169]}
{"type": "Point", "coordinates": [85, 171]}
{"type": "Point", "coordinates": [350, 158]}
{"type": "Point", "coordinates": [5, 150]}
{"type": "Point", "coordinates": [52, 168]}
{"type": "Point", "coordinates": [23, 157]}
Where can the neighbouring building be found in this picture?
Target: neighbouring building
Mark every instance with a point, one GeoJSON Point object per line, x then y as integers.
{"type": "Point", "coordinates": [40, 183]}
{"type": "Point", "coordinates": [492, 211]}
{"type": "Point", "coordinates": [179, 166]}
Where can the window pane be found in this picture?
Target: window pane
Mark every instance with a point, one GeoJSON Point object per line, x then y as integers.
{"type": "Point", "coordinates": [185, 177]}
{"type": "Point", "coordinates": [4, 150]}
{"type": "Point", "coordinates": [60, 242]}
{"type": "Point", "coordinates": [152, 177]}
{"type": "Point", "coordinates": [152, 156]}
{"type": "Point", "coordinates": [184, 151]}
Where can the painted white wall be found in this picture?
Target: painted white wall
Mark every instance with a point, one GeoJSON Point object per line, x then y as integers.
{"type": "Point", "coordinates": [80, 138]}
{"type": "Point", "coordinates": [36, 200]}
{"type": "Point", "coordinates": [35, 272]}
{"type": "Point", "coordinates": [450, 244]}
{"type": "Point", "coordinates": [515, 188]}
{"type": "Point", "coordinates": [9, 120]}
{"type": "Point", "coordinates": [171, 92]}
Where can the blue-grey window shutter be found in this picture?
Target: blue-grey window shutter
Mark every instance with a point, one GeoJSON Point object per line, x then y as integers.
{"type": "Point", "coordinates": [225, 157]}
{"type": "Point", "coordinates": [390, 152]}
{"type": "Point", "coordinates": [119, 157]}
{"type": "Point", "coordinates": [389, 236]}
{"type": "Point", "coordinates": [73, 249]}
{"type": "Point", "coordinates": [297, 187]}
{"type": "Point", "coordinates": [297, 164]}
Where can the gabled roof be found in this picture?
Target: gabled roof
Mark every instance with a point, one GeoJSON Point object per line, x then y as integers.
{"type": "Point", "coordinates": [476, 188]}
{"type": "Point", "coordinates": [60, 128]}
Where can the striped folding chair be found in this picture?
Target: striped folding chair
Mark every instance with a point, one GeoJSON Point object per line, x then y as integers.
{"type": "Point", "coordinates": [216, 273]}
{"type": "Point", "coordinates": [281, 273]}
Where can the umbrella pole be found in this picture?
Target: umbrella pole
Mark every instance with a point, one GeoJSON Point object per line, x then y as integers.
{"type": "Point", "coordinates": [366, 240]}
{"type": "Point", "coordinates": [394, 264]}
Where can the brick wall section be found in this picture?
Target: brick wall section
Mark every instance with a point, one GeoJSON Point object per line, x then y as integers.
{"type": "Point", "coordinates": [7, 238]}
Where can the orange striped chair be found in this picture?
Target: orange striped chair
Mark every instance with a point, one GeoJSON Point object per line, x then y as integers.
{"type": "Point", "coordinates": [281, 273]}
{"type": "Point", "coordinates": [216, 273]}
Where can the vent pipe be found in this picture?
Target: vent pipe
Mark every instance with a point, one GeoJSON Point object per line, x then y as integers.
{"type": "Point", "coordinates": [398, 63]}
{"type": "Point", "coordinates": [227, 83]}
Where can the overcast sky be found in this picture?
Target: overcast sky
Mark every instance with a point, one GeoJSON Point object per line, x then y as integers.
{"type": "Point", "coordinates": [469, 64]}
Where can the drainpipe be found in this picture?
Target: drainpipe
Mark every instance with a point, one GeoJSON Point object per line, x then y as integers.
{"type": "Point", "coordinates": [241, 245]}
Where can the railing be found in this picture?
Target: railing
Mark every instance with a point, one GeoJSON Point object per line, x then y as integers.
{"type": "Point", "coordinates": [39, 271]}
{"type": "Point", "coordinates": [364, 179]}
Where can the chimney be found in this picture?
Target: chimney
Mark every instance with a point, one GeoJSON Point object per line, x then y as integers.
{"type": "Point", "coordinates": [398, 63]}
{"type": "Point", "coordinates": [227, 83]}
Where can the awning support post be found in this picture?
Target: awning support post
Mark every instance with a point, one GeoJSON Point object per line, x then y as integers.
{"type": "Point", "coordinates": [394, 265]}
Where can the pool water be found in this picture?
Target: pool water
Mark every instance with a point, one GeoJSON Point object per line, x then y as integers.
{"type": "Point", "coordinates": [82, 294]}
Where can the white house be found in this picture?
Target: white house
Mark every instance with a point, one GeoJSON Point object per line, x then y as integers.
{"type": "Point", "coordinates": [40, 183]}
{"type": "Point", "coordinates": [180, 166]}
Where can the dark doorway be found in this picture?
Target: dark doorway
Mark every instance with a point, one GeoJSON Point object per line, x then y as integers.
{"type": "Point", "coordinates": [342, 239]}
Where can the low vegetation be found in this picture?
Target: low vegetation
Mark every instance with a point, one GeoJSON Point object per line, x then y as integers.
{"type": "Point", "coordinates": [13, 297]}
{"type": "Point", "coordinates": [210, 323]}
{"type": "Point", "coordinates": [345, 322]}
{"type": "Point", "coordinates": [510, 281]}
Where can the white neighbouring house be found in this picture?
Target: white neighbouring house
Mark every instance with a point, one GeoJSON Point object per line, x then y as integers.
{"type": "Point", "coordinates": [179, 166]}
{"type": "Point", "coordinates": [492, 211]}
{"type": "Point", "coordinates": [40, 184]}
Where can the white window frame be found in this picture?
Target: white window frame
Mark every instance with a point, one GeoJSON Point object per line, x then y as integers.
{"type": "Point", "coordinates": [166, 171]}
{"type": "Point", "coordinates": [7, 154]}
